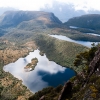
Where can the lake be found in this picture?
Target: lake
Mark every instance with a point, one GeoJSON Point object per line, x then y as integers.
{"type": "Point", "coordinates": [85, 43]}
{"type": "Point", "coordinates": [46, 73]}
{"type": "Point", "coordinates": [93, 34]}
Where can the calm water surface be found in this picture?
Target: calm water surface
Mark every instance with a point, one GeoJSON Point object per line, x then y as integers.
{"type": "Point", "coordinates": [93, 34]}
{"type": "Point", "coordinates": [46, 73]}
{"type": "Point", "coordinates": [85, 43]}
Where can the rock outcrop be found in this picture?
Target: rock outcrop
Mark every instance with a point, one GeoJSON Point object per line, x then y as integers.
{"type": "Point", "coordinates": [95, 63]}
{"type": "Point", "coordinates": [66, 91]}
{"type": "Point", "coordinates": [42, 98]}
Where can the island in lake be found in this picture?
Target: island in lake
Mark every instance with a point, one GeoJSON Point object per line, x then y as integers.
{"type": "Point", "coordinates": [31, 66]}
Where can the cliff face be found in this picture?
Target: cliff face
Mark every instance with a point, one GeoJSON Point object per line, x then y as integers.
{"type": "Point", "coordinates": [95, 63]}
{"type": "Point", "coordinates": [66, 91]}
{"type": "Point", "coordinates": [93, 79]}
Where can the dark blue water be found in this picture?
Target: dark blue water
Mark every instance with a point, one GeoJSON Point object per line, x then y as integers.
{"type": "Point", "coordinates": [58, 78]}
{"type": "Point", "coordinates": [50, 79]}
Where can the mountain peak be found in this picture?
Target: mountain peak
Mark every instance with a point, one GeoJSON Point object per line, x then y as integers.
{"type": "Point", "coordinates": [13, 18]}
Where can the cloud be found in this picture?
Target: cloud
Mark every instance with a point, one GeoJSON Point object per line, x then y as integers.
{"type": "Point", "coordinates": [37, 4]}
{"type": "Point", "coordinates": [25, 4]}
{"type": "Point", "coordinates": [3, 9]}
{"type": "Point", "coordinates": [65, 11]}
{"type": "Point", "coordinates": [62, 10]}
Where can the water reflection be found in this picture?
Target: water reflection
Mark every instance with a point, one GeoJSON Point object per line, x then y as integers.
{"type": "Point", "coordinates": [85, 43]}
{"type": "Point", "coordinates": [46, 73]}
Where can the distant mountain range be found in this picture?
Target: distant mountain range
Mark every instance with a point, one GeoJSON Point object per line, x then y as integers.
{"type": "Point", "coordinates": [39, 21]}
{"type": "Point", "coordinates": [26, 18]}
{"type": "Point", "coordinates": [13, 18]}
{"type": "Point", "coordinates": [90, 21]}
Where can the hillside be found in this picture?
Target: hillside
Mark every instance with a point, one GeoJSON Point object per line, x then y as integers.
{"type": "Point", "coordinates": [90, 21]}
{"type": "Point", "coordinates": [62, 52]}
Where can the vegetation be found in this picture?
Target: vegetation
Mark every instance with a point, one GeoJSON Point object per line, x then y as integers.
{"type": "Point", "coordinates": [10, 87]}
{"type": "Point", "coordinates": [31, 65]}
{"type": "Point", "coordinates": [61, 52]}
{"type": "Point", "coordinates": [50, 93]}
{"type": "Point", "coordinates": [84, 58]}
{"type": "Point", "coordinates": [41, 53]}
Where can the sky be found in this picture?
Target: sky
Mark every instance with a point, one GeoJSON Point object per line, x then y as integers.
{"type": "Point", "coordinates": [37, 4]}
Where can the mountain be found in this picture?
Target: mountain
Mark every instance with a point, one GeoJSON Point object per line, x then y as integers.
{"type": "Point", "coordinates": [13, 18]}
{"type": "Point", "coordinates": [90, 21]}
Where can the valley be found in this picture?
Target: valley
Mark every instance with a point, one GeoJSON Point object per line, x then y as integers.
{"type": "Point", "coordinates": [23, 32]}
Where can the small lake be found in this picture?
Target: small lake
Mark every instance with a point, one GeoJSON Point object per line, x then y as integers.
{"type": "Point", "coordinates": [46, 73]}
{"type": "Point", "coordinates": [85, 43]}
{"type": "Point", "coordinates": [73, 27]}
{"type": "Point", "coordinates": [93, 34]}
